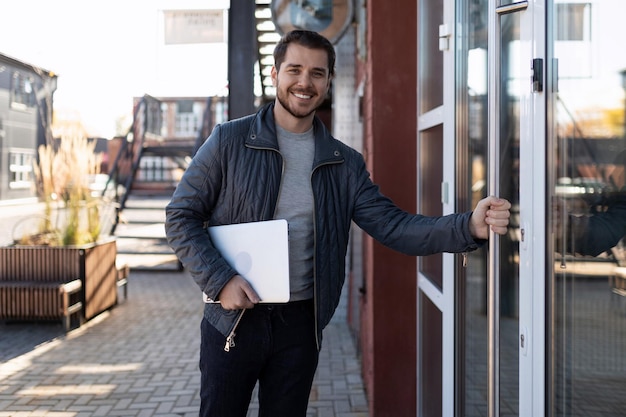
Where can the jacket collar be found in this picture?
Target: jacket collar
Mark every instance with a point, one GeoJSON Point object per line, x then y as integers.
{"type": "Point", "coordinates": [262, 134]}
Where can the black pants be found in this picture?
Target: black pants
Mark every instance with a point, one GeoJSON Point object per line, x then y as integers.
{"type": "Point", "coordinates": [274, 345]}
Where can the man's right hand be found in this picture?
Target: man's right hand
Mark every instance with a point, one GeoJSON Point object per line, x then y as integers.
{"type": "Point", "coordinates": [238, 294]}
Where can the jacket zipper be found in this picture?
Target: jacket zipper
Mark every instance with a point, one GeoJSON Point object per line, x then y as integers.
{"type": "Point", "coordinates": [317, 340]}
{"type": "Point", "coordinates": [230, 340]}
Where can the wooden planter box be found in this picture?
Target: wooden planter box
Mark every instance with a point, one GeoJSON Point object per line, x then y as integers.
{"type": "Point", "coordinates": [40, 266]}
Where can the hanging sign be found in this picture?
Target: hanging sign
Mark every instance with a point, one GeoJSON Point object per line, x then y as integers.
{"type": "Point", "coordinates": [193, 26]}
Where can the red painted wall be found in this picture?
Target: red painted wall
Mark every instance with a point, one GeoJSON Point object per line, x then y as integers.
{"type": "Point", "coordinates": [388, 327]}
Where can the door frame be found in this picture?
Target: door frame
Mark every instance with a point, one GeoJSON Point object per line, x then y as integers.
{"type": "Point", "coordinates": [533, 215]}
{"type": "Point", "coordinates": [444, 298]}
{"type": "Point", "coordinates": [532, 204]}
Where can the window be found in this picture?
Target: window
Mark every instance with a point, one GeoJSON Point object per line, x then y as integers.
{"type": "Point", "coordinates": [571, 32]}
{"type": "Point", "coordinates": [573, 21]}
{"type": "Point", "coordinates": [22, 91]}
{"type": "Point", "coordinates": [188, 118]}
{"type": "Point", "coordinates": [20, 169]}
{"type": "Point", "coordinates": [184, 106]}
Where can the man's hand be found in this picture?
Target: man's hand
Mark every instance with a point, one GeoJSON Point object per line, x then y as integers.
{"type": "Point", "coordinates": [238, 294]}
{"type": "Point", "coordinates": [490, 212]}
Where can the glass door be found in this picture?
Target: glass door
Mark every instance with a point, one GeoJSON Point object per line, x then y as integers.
{"type": "Point", "coordinates": [541, 120]}
{"type": "Point", "coordinates": [586, 249]}
{"type": "Point", "coordinates": [500, 148]}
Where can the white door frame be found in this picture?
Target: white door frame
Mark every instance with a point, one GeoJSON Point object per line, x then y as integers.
{"type": "Point", "coordinates": [445, 115]}
{"type": "Point", "coordinates": [533, 180]}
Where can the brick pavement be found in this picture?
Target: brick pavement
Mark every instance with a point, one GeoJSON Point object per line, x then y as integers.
{"type": "Point", "coordinates": [140, 359]}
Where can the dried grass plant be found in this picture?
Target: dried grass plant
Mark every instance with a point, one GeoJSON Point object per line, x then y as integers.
{"type": "Point", "coordinates": [63, 173]}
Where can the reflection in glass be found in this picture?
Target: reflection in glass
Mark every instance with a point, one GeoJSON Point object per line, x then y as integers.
{"type": "Point", "coordinates": [473, 289]}
{"type": "Point", "coordinates": [430, 57]}
{"type": "Point", "coordinates": [588, 141]}
{"type": "Point", "coordinates": [430, 358]}
{"type": "Point", "coordinates": [431, 155]}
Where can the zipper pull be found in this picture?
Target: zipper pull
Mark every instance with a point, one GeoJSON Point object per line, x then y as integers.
{"type": "Point", "coordinates": [230, 342]}
{"type": "Point", "coordinates": [464, 259]}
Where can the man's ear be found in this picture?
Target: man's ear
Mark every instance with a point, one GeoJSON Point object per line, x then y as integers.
{"type": "Point", "coordinates": [274, 75]}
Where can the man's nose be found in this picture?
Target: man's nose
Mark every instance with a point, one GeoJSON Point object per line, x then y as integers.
{"type": "Point", "coordinates": [305, 79]}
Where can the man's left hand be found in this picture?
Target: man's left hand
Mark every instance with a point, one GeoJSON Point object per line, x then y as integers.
{"type": "Point", "coordinates": [490, 212]}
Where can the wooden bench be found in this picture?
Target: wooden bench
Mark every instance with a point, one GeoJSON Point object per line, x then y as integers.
{"type": "Point", "coordinates": [41, 300]}
{"type": "Point", "coordinates": [36, 300]}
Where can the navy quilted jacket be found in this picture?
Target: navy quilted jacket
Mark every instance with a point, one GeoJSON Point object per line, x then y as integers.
{"type": "Point", "coordinates": [235, 177]}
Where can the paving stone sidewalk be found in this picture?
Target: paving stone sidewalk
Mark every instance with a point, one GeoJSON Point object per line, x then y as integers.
{"type": "Point", "coordinates": [141, 359]}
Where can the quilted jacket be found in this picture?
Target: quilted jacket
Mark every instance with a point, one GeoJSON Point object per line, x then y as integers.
{"type": "Point", "coordinates": [235, 177]}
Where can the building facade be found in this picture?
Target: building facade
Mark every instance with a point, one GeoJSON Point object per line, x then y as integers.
{"type": "Point", "coordinates": [25, 119]}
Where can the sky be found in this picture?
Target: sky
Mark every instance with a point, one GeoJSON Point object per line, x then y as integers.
{"type": "Point", "coordinates": [107, 52]}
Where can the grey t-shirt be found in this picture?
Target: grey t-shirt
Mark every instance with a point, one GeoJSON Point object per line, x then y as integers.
{"type": "Point", "coordinates": [295, 204]}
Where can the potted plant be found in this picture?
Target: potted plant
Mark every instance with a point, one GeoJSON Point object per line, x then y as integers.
{"type": "Point", "coordinates": [70, 241]}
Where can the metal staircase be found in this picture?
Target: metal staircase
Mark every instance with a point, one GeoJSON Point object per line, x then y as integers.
{"type": "Point", "coordinates": [138, 222]}
{"type": "Point", "coordinates": [267, 37]}
{"type": "Point", "coordinates": [140, 204]}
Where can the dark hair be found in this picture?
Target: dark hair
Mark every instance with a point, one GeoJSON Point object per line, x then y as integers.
{"type": "Point", "coordinates": [308, 39]}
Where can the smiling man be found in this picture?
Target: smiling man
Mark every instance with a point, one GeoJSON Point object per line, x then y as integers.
{"type": "Point", "coordinates": [282, 163]}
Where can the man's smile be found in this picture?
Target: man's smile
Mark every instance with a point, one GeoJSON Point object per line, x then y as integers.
{"type": "Point", "coordinates": [303, 96]}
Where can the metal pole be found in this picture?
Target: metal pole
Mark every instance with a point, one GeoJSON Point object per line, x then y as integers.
{"type": "Point", "coordinates": [493, 273]}
{"type": "Point", "coordinates": [242, 55]}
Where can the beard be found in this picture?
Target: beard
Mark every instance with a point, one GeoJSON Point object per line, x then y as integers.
{"type": "Point", "coordinates": [283, 99]}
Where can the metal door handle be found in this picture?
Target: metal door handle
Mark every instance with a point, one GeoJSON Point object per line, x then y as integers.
{"type": "Point", "coordinates": [512, 8]}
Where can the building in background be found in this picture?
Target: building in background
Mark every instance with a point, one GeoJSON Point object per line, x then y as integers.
{"type": "Point", "coordinates": [26, 95]}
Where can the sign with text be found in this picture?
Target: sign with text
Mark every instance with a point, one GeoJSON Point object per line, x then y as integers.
{"type": "Point", "coordinates": [193, 26]}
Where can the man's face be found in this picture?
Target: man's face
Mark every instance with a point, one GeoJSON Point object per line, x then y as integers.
{"type": "Point", "coordinates": [303, 80]}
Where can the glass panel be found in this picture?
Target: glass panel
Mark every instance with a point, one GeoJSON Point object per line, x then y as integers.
{"type": "Point", "coordinates": [430, 58]}
{"type": "Point", "coordinates": [472, 182]}
{"type": "Point", "coordinates": [588, 143]}
{"type": "Point", "coordinates": [431, 176]}
{"type": "Point", "coordinates": [473, 333]}
{"type": "Point", "coordinates": [430, 358]}
{"type": "Point", "coordinates": [513, 77]}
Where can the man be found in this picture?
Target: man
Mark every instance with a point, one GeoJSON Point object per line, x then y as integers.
{"type": "Point", "coordinates": [599, 221]}
{"type": "Point", "coordinates": [282, 163]}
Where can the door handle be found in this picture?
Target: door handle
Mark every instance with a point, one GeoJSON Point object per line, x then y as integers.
{"type": "Point", "coordinates": [512, 8]}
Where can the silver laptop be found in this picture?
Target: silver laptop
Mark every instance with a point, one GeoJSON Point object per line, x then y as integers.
{"type": "Point", "coordinates": [259, 252]}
